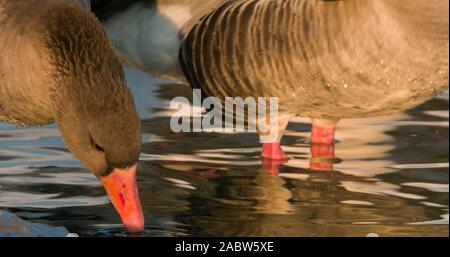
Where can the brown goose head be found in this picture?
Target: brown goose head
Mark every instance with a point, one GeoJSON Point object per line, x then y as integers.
{"type": "Point", "coordinates": [93, 107]}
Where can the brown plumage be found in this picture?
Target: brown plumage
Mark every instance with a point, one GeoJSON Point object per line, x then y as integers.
{"type": "Point", "coordinates": [323, 59]}
{"type": "Point", "coordinates": [57, 65]}
{"type": "Point", "coordinates": [327, 60]}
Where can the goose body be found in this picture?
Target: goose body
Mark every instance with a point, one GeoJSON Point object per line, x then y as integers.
{"type": "Point", "coordinates": [323, 59]}
{"type": "Point", "coordinates": [57, 65]}
{"type": "Point", "coordinates": [17, 52]}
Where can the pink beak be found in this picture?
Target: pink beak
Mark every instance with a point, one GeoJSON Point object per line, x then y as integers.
{"type": "Point", "coordinates": [121, 187]}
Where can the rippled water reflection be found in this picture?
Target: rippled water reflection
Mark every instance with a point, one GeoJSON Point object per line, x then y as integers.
{"type": "Point", "coordinates": [393, 179]}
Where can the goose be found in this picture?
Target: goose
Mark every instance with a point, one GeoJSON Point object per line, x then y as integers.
{"type": "Point", "coordinates": [325, 60]}
{"type": "Point", "coordinates": [57, 65]}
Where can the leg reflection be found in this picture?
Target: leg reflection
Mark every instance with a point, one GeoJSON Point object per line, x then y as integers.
{"type": "Point", "coordinates": [272, 167]}
{"type": "Point", "coordinates": [323, 144]}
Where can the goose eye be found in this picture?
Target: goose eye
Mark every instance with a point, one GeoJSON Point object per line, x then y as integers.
{"type": "Point", "coordinates": [99, 148]}
{"type": "Point", "coordinates": [96, 146]}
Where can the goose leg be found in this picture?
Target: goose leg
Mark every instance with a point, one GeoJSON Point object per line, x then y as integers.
{"type": "Point", "coordinates": [273, 157]}
{"type": "Point", "coordinates": [271, 146]}
{"type": "Point", "coordinates": [322, 144]}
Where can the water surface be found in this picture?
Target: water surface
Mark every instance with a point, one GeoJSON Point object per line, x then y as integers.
{"type": "Point", "coordinates": [392, 179]}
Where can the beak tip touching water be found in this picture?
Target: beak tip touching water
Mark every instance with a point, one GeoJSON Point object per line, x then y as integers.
{"type": "Point", "coordinates": [121, 187]}
{"type": "Point", "coordinates": [134, 224]}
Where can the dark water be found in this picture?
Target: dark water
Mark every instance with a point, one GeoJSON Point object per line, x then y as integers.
{"type": "Point", "coordinates": [393, 179]}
